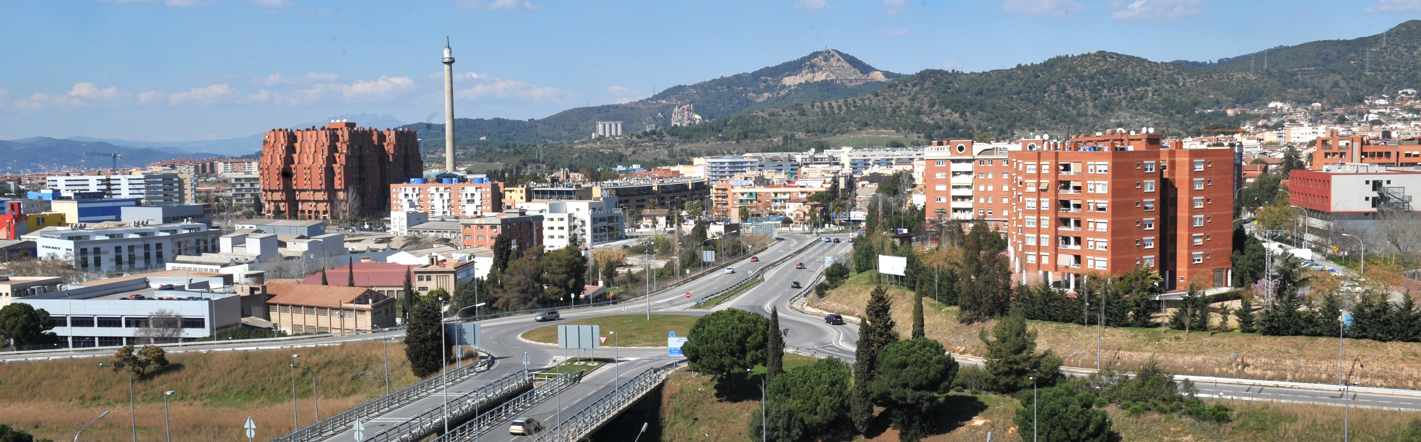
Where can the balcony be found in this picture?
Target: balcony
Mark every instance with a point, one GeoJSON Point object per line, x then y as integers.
{"type": "Point", "coordinates": [1068, 209]}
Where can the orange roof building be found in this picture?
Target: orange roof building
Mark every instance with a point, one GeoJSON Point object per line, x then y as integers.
{"type": "Point", "coordinates": [306, 308]}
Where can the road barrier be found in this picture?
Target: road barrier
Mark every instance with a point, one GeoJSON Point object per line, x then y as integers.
{"type": "Point", "coordinates": [429, 422]}
{"type": "Point", "coordinates": [583, 423]}
{"type": "Point", "coordinates": [759, 273]}
{"type": "Point", "coordinates": [484, 422]}
{"type": "Point", "coordinates": [342, 422]}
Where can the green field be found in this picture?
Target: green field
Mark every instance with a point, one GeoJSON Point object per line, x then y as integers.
{"type": "Point", "coordinates": [633, 330]}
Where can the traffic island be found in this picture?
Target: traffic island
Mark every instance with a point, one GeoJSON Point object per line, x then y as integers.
{"type": "Point", "coordinates": [632, 330]}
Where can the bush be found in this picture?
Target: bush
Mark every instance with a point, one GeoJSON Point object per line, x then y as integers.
{"type": "Point", "coordinates": [1061, 415]}
{"type": "Point", "coordinates": [971, 378]}
{"type": "Point", "coordinates": [1196, 409]}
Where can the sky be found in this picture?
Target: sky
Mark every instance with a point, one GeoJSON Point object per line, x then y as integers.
{"type": "Point", "coordinates": [176, 70]}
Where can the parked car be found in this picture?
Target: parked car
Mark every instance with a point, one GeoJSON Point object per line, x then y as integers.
{"type": "Point", "coordinates": [834, 319]}
{"type": "Point", "coordinates": [525, 426]}
{"type": "Point", "coordinates": [550, 315]}
{"type": "Point", "coordinates": [136, 296]}
{"type": "Point", "coordinates": [836, 240]}
{"type": "Point", "coordinates": [799, 266]}
{"type": "Point", "coordinates": [828, 240]}
{"type": "Point", "coordinates": [795, 285]}
{"type": "Point", "coordinates": [754, 259]}
{"type": "Point", "coordinates": [729, 270]}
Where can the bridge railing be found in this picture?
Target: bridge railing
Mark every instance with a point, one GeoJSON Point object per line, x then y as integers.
{"type": "Point", "coordinates": [486, 421]}
{"type": "Point", "coordinates": [609, 406]}
{"type": "Point", "coordinates": [343, 421]}
{"type": "Point", "coordinates": [426, 423]}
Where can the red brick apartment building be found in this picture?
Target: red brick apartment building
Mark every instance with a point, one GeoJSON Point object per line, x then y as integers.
{"type": "Point", "coordinates": [526, 231]}
{"type": "Point", "coordinates": [310, 173]}
{"type": "Point", "coordinates": [966, 181]}
{"type": "Point", "coordinates": [1334, 149]}
{"type": "Point", "coordinates": [1110, 202]}
{"type": "Point", "coordinates": [479, 197]}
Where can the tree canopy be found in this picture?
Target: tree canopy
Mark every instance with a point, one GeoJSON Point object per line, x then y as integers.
{"type": "Point", "coordinates": [22, 326]}
{"type": "Point", "coordinates": [727, 342]}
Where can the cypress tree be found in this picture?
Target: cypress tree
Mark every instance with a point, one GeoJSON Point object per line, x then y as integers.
{"type": "Point", "coordinates": [406, 295]}
{"type": "Point", "coordinates": [918, 331]}
{"type": "Point", "coordinates": [876, 331]}
{"type": "Point", "coordinates": [323, 277]}
{"type": "Point", "coordinates": [774, 359]}
{"type": "Point", "coordinates": [350, 273]}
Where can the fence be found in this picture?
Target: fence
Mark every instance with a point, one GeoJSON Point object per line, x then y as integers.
{"type": "Point", "coordinates": [426, 423]}
{"type": "Point", "coordinates": [484, 422]}
{"type": "Point", "coordinates": [342, 422]}
{"type": "Point", "coordinates": [609, 406]}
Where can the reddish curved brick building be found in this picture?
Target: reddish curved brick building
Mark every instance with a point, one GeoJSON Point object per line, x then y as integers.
{"type": "Point", "coordinates": [312, 173]}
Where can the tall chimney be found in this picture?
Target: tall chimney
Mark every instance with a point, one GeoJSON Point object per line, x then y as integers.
{"type": "Point", "coordinates": [448, 108]}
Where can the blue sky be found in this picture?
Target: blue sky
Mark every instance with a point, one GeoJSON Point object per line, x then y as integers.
{"type": "Point", "coordinates": [170, 70]}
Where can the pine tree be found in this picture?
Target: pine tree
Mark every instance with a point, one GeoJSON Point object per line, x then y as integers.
{"type": "Point", "coordinates": [1245, 314]}
{"type": "Point", "coordinates": [876, 331]}
{"type": "Point", "coordinates": [1011, 357]}
{"type": "Point", "coordinates": [423, 338]}
{"type": "Point", "coordinates": [918, 331]}
{"type": "Point", "coordinates": [774, 359]}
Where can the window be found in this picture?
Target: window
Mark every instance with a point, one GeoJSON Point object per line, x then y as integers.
{"type": "Point", "coordinates": [1198, 165]}
{"type": "Point", "coordinates": [1100, 244]}
{"type": "Point", "coordinates": [1198, 220]}
{"type": "Point", "coordinates": [1100, 187]}
{"type": "Point", "coordinates": [81, 322]}
{"type": "Point", "coordinates": [1198, 258]}
{"type": "Point", "coordinates": [1030, 240]}
{"type": "Point", "coordinates": [1149, 243]}
{"type": "Point", "coordinates": [1031, 221]}
{"type": "Point", "coordinates": [940, 187]}
{"type": "Point", "coordinates": [940, 175]}
{"type": "Point", "coordinates": [1149, 205]}
{"type": "Point", "coordinates": [1149, 223]}
{"type": "Point", "coordinates": [1045, 239]}
{"type": "Point", "coordinates": [1198, 239]}
{"type": "Point", "coordinates": [1100, 226]}
{"type": "Point", "coordinates": [1045, 204]}
{"type": "Point", "coordinates": [941, 162]}
{"type": "Point", "coordinates": [1030, 167]}
{"type": "Point", "coordinates": [1031, 203]}
{"type": "Point", "coordinates": [106, 322]}
{"type": "Point", "coordinates": [1100, 206]}
{"type": "Point", "coordinates": [941, 199]}
{"type": "Point", "coordinates": [1198, 202]}
{"type": "Point", "coordinates": [1149, 261]}
{"type": "Point", "coordinates": [194, 323]}
{"type": "Point", "coordinates": [1031, 258]}
{"type": "Point", "coordinates": [1149, 185]}
{"type": "Point", "coordinates": [1149, 167]}
{"type": "Point", "coordinates": [1198, 184]}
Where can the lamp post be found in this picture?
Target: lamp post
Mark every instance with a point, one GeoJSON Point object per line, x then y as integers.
{"type": "Point", "coordinates": [1033, 408]}
{"type": "Point", "coordinates": [1363, 246]}
{"type": "Point", "coordinates": [295, 421]}
{"type": "Point", "coordinates": [167, 429]}
{"type": "Point", "coordinates": [91, 423]}
{"type": "Point", "coordinates": [314, 397]}
{"type": "Point", "coordinates": [384, 345]}
{"type": "Point", "coordinates": [1346, 410]}
{"type": "Point", "coordinates": [444, 363]}
{"type": "Point", "coordinates": [132, 417]}
{"type": "Point", "coordinates": [617, 344]}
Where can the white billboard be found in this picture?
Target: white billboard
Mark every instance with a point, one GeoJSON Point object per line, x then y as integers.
{"type": "Point", "coordinates": [892, 265]}
{"type": "Point", "coordinates": [858, 216]}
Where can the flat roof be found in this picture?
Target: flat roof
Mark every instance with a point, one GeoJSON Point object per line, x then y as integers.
{"type": "Point", "coordinates": [159, 274]}
{"type": "Point", "coordinates": [281, 222]}
{"type": "Point", "coordinates": [437, 225]}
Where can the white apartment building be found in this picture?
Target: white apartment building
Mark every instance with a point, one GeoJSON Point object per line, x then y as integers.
{"type": "Point", "coordinates": [155, 188]}
{"type": "Point", "coordinates": [591, 221]}
{"type": "Point", "coordinates": [103, 316]}
{"type": "Point", "coordinates": [238, 167]}
{"type": "Point", "coordinates": [401, 221]}
{"type": "Point", "coordinates": [125, 249]}
{"type": "Point", "coordinates": [856, 161]}
{"type": "Point", "coordinates": [247, 192]}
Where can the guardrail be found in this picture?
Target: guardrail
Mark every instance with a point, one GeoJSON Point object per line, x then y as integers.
{"type": "Point", "coordinates": [196, 345]}
{"type": "Point", "coordinates": [609, 406]}
{"type": "Point", "coordinates": [760, 273]}
{"type": "Point", "coordinates": [343, 421]}
{"type": "Point", "coordinates": [484, 422]}
{"type": "Point", "coordinates": [426, 423]}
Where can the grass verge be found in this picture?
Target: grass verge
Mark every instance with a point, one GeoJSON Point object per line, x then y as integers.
{"type": "Point", "coordinates": [632, 330]}
{"type": "Point", "coordinates": [214, 392]}
{"type": "Point", "coordinates": [747, 285]}
{"type": "Point", "coordinates": [1233, 354]}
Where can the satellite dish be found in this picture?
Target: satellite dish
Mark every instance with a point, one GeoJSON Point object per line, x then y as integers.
{"type": "Point", "coordinates": [1045, 136]}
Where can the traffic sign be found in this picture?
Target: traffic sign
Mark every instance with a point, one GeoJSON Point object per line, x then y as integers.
{"type": "Point", "coordinates": [359, 430]}
{"type": "Point", "coordinates": [672, 335]}
{"type": "Point", "coordinates": [674, 345]}
{"type": "Point", "coordinates": [251, 428]}
{"type": "Point", "coordinates": [526, 361]}
{"type": "Point", "coordinates": [603, 339]}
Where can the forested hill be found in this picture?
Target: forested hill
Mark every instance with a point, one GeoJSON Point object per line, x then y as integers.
{"type": "Point", "coordinates": [1091, 92]}
{"type": "Point", "coordinates": [822, 75]}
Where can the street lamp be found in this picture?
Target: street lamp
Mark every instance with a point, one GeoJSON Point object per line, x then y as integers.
{"type": "Point", "coordinates": [444, 363]}
{"type": "Point", "coordinates": [384, 345]}
{"type": "Point", "coordinates": [314, 396]}
{"type": "Point", "coordinates": [1363, 245]}
{"type": "Point", "coordinates": [616, 358]}
{"type": "Point", "coordinates": [1033, 408]}
{"type": "Point", "coordinates": [106, 413]}
{"type": "Point", "coordinates": [167, 429]}
{"type": "Point", "coordinates": [1346, 410]}
{"type": "Point", "coordinates": [295, 421]}
{"type": "Point", "coordinates": [132, 417]}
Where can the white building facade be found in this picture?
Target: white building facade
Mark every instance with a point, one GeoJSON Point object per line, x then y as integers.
{"type": "Point", "coordinates": [125, 249]}
{"type": "Point", "coordinates": [592, 222]}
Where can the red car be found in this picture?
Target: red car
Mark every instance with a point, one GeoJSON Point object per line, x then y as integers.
{"type": "Point", "coordinates": [754, 259]}
{"type": "Point", "coordinates": [799, 266]}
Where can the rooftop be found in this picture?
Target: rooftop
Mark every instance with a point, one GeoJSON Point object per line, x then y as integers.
{"type": "Point", "coordinates": [322, 295]}
{"type": "Point", "coordinates": [367, 274]}
{"type": "Point", "coordinates": [281, 222]}
{"type": "Point", "coordinates": [437, 225]}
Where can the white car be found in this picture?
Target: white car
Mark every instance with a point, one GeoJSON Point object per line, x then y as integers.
{"type": "Point", "coordinates": [525, 426]}
{"type": "Point", "coordinates": [729, 270]}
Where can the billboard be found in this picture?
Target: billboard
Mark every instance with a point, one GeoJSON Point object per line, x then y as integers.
{"type": "Point", "coordinates": [579, 336]}
{"type": "Point", "coordinates": [892, 265]}
{"type": "Point", "coordinates": [673, 344]}
{"type": "Point", "coordinates": [858, 216]}
{"type": "Point", "coordinates": [465, 333]}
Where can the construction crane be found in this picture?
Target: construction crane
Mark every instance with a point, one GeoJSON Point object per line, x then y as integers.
{"type": "Point", "coordinates": [108, 180]}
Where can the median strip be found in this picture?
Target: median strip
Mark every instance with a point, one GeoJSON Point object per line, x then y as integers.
{"type": "Point", "coordinates": [712, 302]}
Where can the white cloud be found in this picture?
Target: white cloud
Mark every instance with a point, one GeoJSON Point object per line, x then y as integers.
{"type": "Point", "coordinates": [1053, 8]}
{"type": "Point", "coordinates": [82, 94]}
{"type": "Point", "coordinates": [495, 5]}
{"type": "Point", "coordinates": [204, 95]}
{"type": "Point", "coordinates": [1394, 6]}
{"type": "Point", "coordinates": [895, 6]}
{"type": "Point", "coordinates": [311, 78]}
{"type": "Point", "coordinates": [271, 3]}
{"type": "Point", "coordinates": [486, 86]}
{"type": "Point", "coordinates": [894, 33]}
{"type": "Point", "coordinates": [146, 97]}
{"type": "Point", "coordinates": [180, 3]}
{"type": "Point", "coordinates": [1158, 11]}
{"type": "Point", "coordinates": [812, 5]}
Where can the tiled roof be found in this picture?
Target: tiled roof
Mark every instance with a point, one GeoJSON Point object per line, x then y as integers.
{"type": "Point", "coordinates": [367, 274]}
{"type": "Point", "coordinates": [321, 295]}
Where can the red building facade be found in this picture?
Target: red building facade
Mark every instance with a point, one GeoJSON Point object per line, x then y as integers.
{"type": "Point", "coordinates": [328, 172]}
